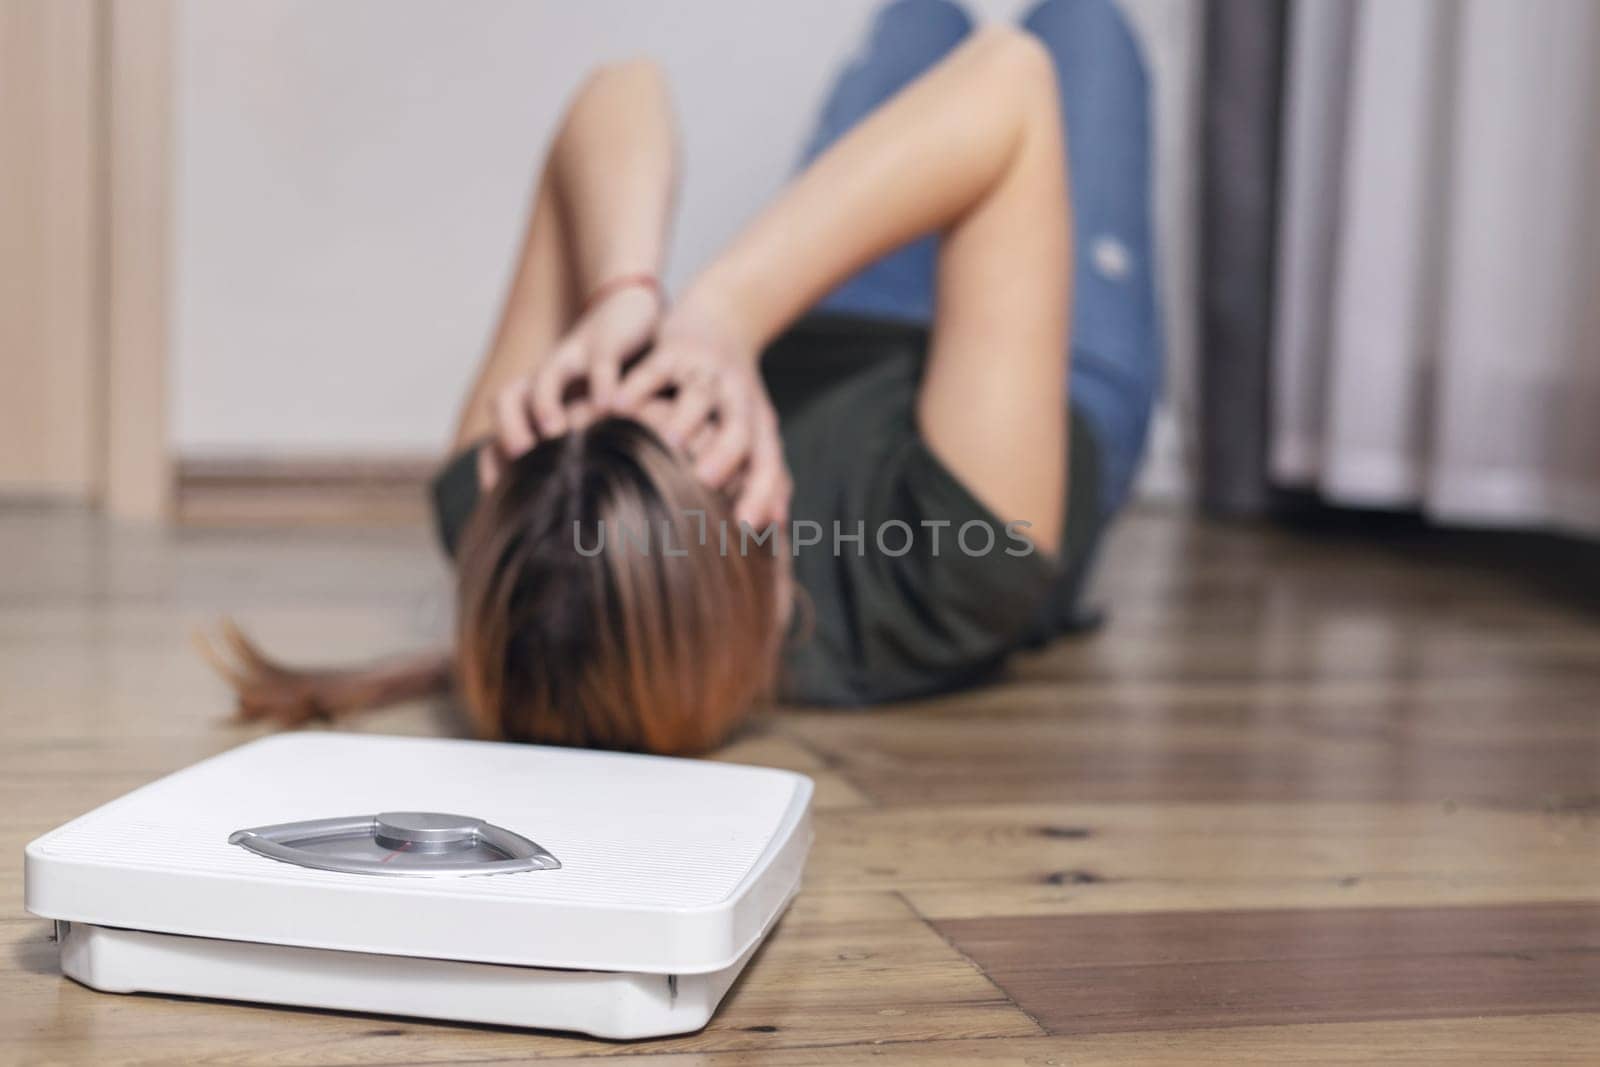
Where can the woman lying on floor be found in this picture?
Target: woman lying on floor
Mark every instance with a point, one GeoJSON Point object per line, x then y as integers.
{"type": "Point", "coordinates": [640, 493]}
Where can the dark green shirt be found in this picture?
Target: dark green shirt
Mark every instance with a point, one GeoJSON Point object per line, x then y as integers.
{"type": "Point", "coordinates": [905, 617]}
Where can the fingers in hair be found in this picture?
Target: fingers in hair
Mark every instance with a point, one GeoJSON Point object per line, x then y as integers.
{"type": "Point", "coordinates": [764, 496]}
{"type": "Point", "coordinates": [642, 382]}
{"type": "Point", "coordinates": [691, 409]}
{"type": "Point", "coordinates": [514, 431]}
{"type": "Point", "coordinates": [549, 385]}
{"type": "Point", "coordinates": [732, 441]}
{"type": "Point", "coordinates": [490, 466]}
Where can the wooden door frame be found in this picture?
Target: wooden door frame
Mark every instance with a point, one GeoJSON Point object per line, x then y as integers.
{"type": "Point", "coordinates": [86, 116]}
{"type": "Point", "coordinates": [139, 106]}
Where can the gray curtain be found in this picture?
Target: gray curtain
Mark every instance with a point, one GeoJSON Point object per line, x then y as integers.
{"type": "Point", "coordinates": [1240, 110]}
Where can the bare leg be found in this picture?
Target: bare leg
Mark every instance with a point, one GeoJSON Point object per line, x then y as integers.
{"type": "Point", "coordinates": [972, 149]}
{"type": "Point", "coordinates": [993, 400]}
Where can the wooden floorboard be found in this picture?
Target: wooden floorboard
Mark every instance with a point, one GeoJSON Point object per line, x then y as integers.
{"type": "Point", "coordinates": [1057, 757]}
{"type": "Point", "coordinates": [1306, 798]}
{"type": "Point", "coordinates": [969, 861]}
{"type": "Point", "coordinates": [1567, 1040]}
{"type": "Point", "coordinates": [1200, 969]}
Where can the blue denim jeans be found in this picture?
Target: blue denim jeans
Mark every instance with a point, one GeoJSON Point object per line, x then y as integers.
{"type": "Point", "coordinates": [1116, 327]}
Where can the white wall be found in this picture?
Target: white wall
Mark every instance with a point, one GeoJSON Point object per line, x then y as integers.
{"type": "Point", "coordinates": [352, 177]}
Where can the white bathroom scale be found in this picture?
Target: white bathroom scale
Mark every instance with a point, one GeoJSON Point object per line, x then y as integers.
{"type": "Point", "coordinates": [611, 894]}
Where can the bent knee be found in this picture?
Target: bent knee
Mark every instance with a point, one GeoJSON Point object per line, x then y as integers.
{"type": "Point", "coordinates": [1015, 53]}
{"type": "Point", "coordinates": [1017, 60]}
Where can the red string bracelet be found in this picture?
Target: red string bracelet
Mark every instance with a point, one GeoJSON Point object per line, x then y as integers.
{"type": "Point", "coordinates": [644, 279]}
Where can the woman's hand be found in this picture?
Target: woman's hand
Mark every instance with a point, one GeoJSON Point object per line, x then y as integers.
{"type": "Point", "coordinates": [720, 414]}
{"type": "Point", "coordinates": [535, 407]}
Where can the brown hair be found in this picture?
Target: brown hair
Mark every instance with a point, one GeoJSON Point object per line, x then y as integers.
{"type": "Point", "coordinates": [597, 605]}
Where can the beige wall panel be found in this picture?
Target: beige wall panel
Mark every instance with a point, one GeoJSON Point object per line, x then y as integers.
{"type": "Point", "coordinates": [138, 481]}
{"type": "Point", "coordinates": [49, 236]}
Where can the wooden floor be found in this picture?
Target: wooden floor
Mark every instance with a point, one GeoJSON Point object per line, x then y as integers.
{"type": "Point", "coordinates": [1304, 799]}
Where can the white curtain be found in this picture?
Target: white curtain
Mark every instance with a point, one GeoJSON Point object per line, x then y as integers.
{"type": "Point", "coordinates": [1437, 330]}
